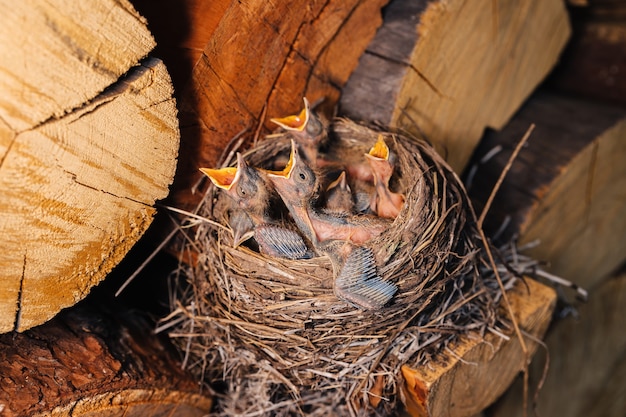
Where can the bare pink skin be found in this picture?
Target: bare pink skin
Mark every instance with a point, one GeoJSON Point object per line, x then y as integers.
{"type": "Point", "coordinates": [385, 203]}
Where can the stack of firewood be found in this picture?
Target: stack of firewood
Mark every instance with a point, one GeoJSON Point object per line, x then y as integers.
{"type": "Point", "coordinates": [89, 135]}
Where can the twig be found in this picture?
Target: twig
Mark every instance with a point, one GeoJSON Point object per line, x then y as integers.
{"type": "Point", "coordinates": [496, 272]}
{"type": "Point", "coordinates": [146, 261]}
{"type": "Point", "coordinates": [506, 169]}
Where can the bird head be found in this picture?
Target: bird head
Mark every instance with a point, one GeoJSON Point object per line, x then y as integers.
{"type": "Point", "coordinates": [305, 124]}
{"type": "Point", "coordinates": [296, 183]}
{"type": "Point", "coordinates": [244, 184]}
{"type": "Point", "coordinates": [379, 159]}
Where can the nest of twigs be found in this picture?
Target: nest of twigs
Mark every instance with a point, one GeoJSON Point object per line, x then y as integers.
{"type": "Point", "coordinates": [270, 336]}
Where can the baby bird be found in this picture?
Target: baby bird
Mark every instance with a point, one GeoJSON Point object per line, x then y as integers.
{"type": "Point", "coordinates": [308, 131]}
{"type": "Point", "coordinates": [384, 202]}
{"type": "Point", "coordinates": [249, 189]}
{"type": "Point", "coordinates": [356, 275]}
{"type": "Point", "coordinates": [339, 199]}
{"type": "Point", "coordinates": [297, 186]}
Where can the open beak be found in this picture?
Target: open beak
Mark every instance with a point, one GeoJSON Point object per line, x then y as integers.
{"type": "Point", "coordinates": [223, 178]}
{"type": "Point", "coordinates": [296, 122]}
{"type": "Point", "coordinates": [380, 150]}
{"type": "Point", "coordinates": [378, 158]}
{"type": "Point", "coordinates": [282, 179]}
{"type": "Point", "coordinates": [285, 173]}
{"type": "Point", "coordinates": [340, 182]}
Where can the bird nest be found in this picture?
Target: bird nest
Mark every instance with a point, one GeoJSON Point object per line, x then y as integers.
{"type": "Point", "coordinates": [270, 335]}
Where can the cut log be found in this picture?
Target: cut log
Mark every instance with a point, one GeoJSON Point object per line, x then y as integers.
{"type": "Point", "coordinates": [587, 360]}
{"type": "Point", "coordinates": [261, 59]}
{"type": "Point", "coordinates": [94, 361]}
{"type": "Point", "coordinates": [566, 188]}
{"type": "Point", "coordinates": [80, 167]}
{"type": "Point", "coordinates": [446, 70]}
{"type": "Point", "coordinates": [475, 372]}
{"type": "Point", "coordinates": [56, 56]}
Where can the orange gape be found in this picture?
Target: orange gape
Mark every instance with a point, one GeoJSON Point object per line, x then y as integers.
{"type": "Point", "coordinates": [250, 191]}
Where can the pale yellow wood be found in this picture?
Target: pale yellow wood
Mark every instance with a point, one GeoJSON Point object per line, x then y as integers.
{"type": "Point", "coordinates": [580, 222]}
{"type": "Point", "coordinates": [476, 371]}
{"type": "Point", "coordinates": [457, 67]}
{"type": "Point", "coordinates": [587, 361]}
{"type": "Point", "coordinates": [9, 289]}
{"type": "Point", "coordinates": [77, 192]}
{"type": "Point", "coordinates": [57, 55]}
{"type": "Point", "coordinates": [6, 138]}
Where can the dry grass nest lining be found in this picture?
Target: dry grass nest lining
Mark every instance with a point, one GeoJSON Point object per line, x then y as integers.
{"type": "Point", "coordinates": [271, 331]}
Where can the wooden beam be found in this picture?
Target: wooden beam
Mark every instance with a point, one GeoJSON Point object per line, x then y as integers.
{"type": "Point", "coordinates": [566, 189]}
{"type": "Point", "coordinates": [476, 371]}
{"type": "Point", "coordinates": [594, 62]}
{"type": "Point", "coordinates": [447, 70]}
{"type": "Point", "coordinates": [587, 360]}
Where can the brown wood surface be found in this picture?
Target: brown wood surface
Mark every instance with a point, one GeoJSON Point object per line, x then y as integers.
{"type": "Point", "coordinates": [251, 60]}
{"type": "Point", "coordinates": [566, 188]}
{"type": "Point", "coordinates": [475, 372]}
{"type": "Point", "coordinates": [94, 360]}
{"type": "Point", "coordinates": [446, 70]}
{"type": "Point", "coordinates": [84, 153]}
{"type": "Point", "coordinates": [594, 63]}
{"type": "Point", "coordinates": [182, 29]}
{"type": "Point", "coordinates": [587, 360]}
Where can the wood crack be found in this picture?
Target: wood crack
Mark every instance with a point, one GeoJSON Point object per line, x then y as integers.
{"type": "Point", "coordinates": [410, 65]}
{"type": "Point", "coordinates": [8, 151]}
{"type": "Point", "coordinates": [109, 193]}
{"type": "Point", "coordinates": [20, 295]}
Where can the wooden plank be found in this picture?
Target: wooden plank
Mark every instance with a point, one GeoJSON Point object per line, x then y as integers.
{"type": "Point", "coordinates": [476, 372]}
{"type": "Point", "coordinates": [55, 56]}
{"type": "Point", "coordinates": [566, 189]}
{"type": "Point", "coordinates": [77, 192]}
{"type": "Point", "coordinates": [587, 360]}
{"type": "Point", "coordinates": [447, 70]}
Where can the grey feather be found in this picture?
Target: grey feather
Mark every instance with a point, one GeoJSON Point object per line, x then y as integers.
{"type": "Point", "coordinates": [281, 242]}
{"type": "Point", "coordinates": [358, 281]}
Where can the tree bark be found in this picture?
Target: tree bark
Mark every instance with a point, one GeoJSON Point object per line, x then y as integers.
{"type": "Point", "coordinates": [94, 360]}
